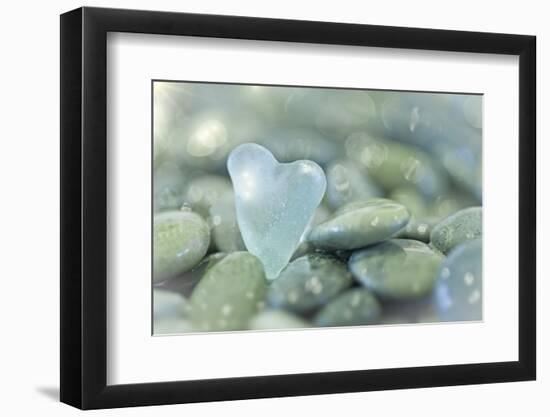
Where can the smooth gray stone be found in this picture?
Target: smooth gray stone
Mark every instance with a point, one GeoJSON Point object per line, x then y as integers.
{"type": "Point", "coordinates": [359, 224]}
{"type": "Point", "coordinates": [225, 231]}
{"type": "Point", "coordinates": [292, 144]}
{"type": "Point", "coordinates": [416, 203]}
{"type": "Point", "coordinates": [355, 307]}
{"type": "Point", "coordinates": [473, 111]}
{"type": "Point", "coordinates": [347, 181]}
{"type": "Point", "coordinates": [205, 191]}
{"type": "Point", "coordinates": [335, 113]}
{"type": "Point", "coordinates": [429, 121]}
{"type": "Point", "coordinates": [277, 319]}
{"type": "Point", "coordinates": [397, 269]}
{"type": "Point", "coordinates": [186, 282]}
{"type": "Point", "coordinates": [464, 165]}
{"type": "Point", "coordinates": [451, 202]}
{"type": "Point", "coordinates": [394, 165]}
{"type": "Point", "coordinates": [321, 214]}
{"type": "Point", "coordinates": [418, 229]}
{"type": "Point", "coordinates": [168, 304]}
{"type": "Point", "coordinates": [231, 292]}
{"type": "Point", "coordinates": [180, 241]}
{"type": "Point", "coordinates": [458, 291]}
{"type": "Point", "coordinates": [168, 187]}
{"type": "Point", "coordinates": [309, 282]}
{"type": "Point", "coordinates": [456, 229]}
{"type": "Point", "coordinates": [164, 326]}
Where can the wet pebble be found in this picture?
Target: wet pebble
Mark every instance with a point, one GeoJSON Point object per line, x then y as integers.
{"type": "Point", "coordinates": [359, 224]}
{"type": "Point", "coordinates": [458, 291]}
{"type": "Point", "coordinates": [186, 282]}
{"type": "Point", "coordinates": [292, 144]}
{"type": "Point", "coordinates": [277, 319]}
{"type": "Point", "coordinates": [456, 229]}
{"type": "Point", "coordinates": [347, 181]}
{"type": "Point", "coordinates": [230, 293]}
{"type": "Point", "coordinates": [168, 186]}
{"type": "Point", "coordinates": [168, 304]}
{"type": "Point", "coordinates": [334, 113]}
{"type": "Point", "coordinates": [204, 191]}
{"type": "Point", "coordinates": [226, 235]}
{"type": "Point", "coordinates": [398, 269]}
{"type": "Point", "coordinates": [418, 229]}
{"type": "Point", "coordinates": [308, 283]}
{"type": "Point", "coordinates": [171, 325]}
{"type": "Point", "coordinates": [394, 165]}
{"type": "Point", "coordinates": [180, 241]}
{"type": "Point", "coordinates": [355, 307]}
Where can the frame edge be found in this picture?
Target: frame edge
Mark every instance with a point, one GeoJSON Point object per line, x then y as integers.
{"type": "Point", "coordinates": [70, 207]}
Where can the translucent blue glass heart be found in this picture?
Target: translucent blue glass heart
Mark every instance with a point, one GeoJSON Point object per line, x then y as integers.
{"type": "Point", "coordinates": [275, 202]}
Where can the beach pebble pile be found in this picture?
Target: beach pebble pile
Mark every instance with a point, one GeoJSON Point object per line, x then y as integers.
{"type": "Point", "coordinates": [396, 238]}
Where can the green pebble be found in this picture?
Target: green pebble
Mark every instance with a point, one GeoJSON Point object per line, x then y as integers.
{"type": "Point", "coordinates": [180, 241]}
{"type": "Point", "coordinates": [414, 201]}
{"type": "Point", "coordinates": [321, 214]}
{"type": "Point", "coordinates": [276, 319]}
{"type": "Point", "coordinates": [225, 231]}
{"type": "Point", "coordinates": [458, 291]}
{"type": "Point", "coordinates": [359, 224]}
{"type": "Point", "coordinates": [394, 165]}
{"type": "Point", "coordinates": [168, 303]}
{"type": "Point", "coordinates": [355, 307]}
{"type": "Point", "coordinates": [231, 292]}
{"type": "Point", "coordinates": [171, 325]}
{"type": "Point", "coordinates": [417, 229]}
{"type": "Point", "coordinates": [347, 181]}
{"type": "Point", "coordinates": [186, 282]}
{"type": "Point", "coordinates": [168, 185]}
{"type": "Point", "coordinates": [458, 228]}
{"type": "Point", "coordinates": [398, 269]}
{"type": "Point", "coordinates": [308, 283]}
{"type": "Point", "coordinates": [204, 191]}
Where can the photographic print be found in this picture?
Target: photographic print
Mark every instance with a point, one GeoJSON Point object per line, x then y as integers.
{"type": "Point", "coordinates": [289, 207]}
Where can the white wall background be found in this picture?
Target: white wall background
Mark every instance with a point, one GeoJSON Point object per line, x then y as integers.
{"type": "Point", "coordinates": [29, 237]}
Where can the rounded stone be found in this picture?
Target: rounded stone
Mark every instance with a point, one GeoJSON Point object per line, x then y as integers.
{"type": "Point", "coordinates": [416, 204]}
{"type": "Point", "coordinates": [309, 282]}
{"type": "Point", "coordinates": [458, 290]}
{"type": "Point", "coordinates": [359, 224]}
{"type": "Point", "coordinates": [231, 292]}
{"type": "Point", "coordinates": [168, 185]}
{"type": "Point", "coordinates": [394, 165]}
{"type": "Point", "coordinates": [456, 229]}
{"type": "Point", "coordinates": [180, 241]}
{"type": "Point", "coordinates": [277, 319]}
{"type": "Point", "coordinates": [225, 231]}
{"type": "Point", "coordinates": [168, 304]}
{"type": "Point", "coordinates": [204, 191]}
{"type": "Point", "coordinates": [355, 307]}
{"type": "Point", "coordinates": [321, 214]}
{"type": "Point", "coordinates": [398, 269]}
{"type": "Point", "coordinates": [164, 326]}
{"type": "Point", "coordinates": [292, 144]}
{"type": "Point", "coordinates": [418, 229]}
{"type": "Point", "coordinates": [186, 282]}
{"type": "Point", "coordinates": [347, 181]}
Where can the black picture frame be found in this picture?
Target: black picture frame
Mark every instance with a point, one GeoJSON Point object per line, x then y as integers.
{"type": "Point", "coordinates": [84, 207]}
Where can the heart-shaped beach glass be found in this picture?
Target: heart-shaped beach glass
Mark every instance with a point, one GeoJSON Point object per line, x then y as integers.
{"type": "Point", "coordinates": [275, 202]}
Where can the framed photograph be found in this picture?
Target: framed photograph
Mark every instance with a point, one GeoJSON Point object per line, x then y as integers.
{"type": "Point", "coordinates": [257, 207]}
